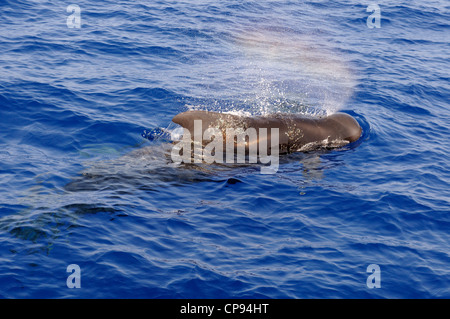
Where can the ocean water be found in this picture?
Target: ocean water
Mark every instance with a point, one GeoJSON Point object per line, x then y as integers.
{"type": "Point", "coordinates": [81, 185]}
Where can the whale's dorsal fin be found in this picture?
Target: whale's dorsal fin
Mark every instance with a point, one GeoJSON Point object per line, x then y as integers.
{"type": "Point", "coordinates": [209, 119]}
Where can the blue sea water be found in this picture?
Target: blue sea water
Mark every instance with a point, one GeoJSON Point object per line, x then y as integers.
{"type": "Point", "coordinates": [81, 185]}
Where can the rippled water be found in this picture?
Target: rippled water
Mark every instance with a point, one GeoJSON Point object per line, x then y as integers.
{"type": "Point", "coordinates": [80, 185]}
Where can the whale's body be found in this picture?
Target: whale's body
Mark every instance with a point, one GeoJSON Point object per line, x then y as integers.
{"type": "Point", "coordinates": [148, 167]}
{"type": "Point", "coordinates": [295, 132]}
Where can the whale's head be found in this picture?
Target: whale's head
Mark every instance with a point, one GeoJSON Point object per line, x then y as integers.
{"type": "Point", "coordinates": [343, 126]}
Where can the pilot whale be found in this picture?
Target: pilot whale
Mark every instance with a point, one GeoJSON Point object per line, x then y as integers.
{"type": "Point", "coordinates": [148, 167]}
{"type": "Point", "coordinates": [295, 132]}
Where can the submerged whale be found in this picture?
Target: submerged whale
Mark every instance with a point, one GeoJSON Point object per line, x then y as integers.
{"type": "Point", "coordinates": [150, 167]}
{"type": "Point", "coordinates": [294, 132]}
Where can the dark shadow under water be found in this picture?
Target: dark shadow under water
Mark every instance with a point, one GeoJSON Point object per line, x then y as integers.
{"type": "Point", "coordinates": [46, 214]}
